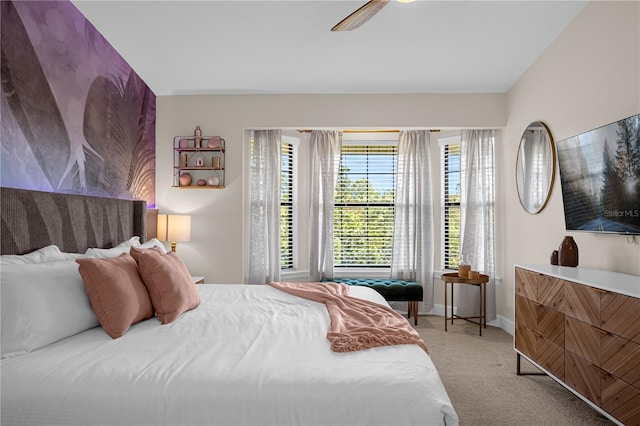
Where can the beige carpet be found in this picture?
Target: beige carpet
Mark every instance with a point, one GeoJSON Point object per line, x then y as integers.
{"type": "Point", "coordinates": [479, 374]}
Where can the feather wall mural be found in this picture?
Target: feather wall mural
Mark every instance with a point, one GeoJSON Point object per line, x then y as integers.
{"type": "Point", "coordinates": [75, 117]}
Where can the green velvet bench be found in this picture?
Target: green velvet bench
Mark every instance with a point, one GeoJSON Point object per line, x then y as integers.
{"type": "Point", "coordinates": [391, 290]}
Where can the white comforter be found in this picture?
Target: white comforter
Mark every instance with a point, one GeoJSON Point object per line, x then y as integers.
{"type": "Point", "coordinates": [249, 355]}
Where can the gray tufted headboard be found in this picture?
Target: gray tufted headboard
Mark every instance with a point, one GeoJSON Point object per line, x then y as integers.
{"type": "Point", "coordinates": [35, 219]}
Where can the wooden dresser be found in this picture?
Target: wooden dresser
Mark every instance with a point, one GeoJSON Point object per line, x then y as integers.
{"type": "Point", "coordinates": [582, 327]}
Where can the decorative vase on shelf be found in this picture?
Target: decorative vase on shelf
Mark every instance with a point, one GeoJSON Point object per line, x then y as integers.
{"type": "Point", "coordinates": [568, 252]}
{"type": "Point", "coordinates": [197, 136]}
{"type": "Point", "coordinates": [185, 179]}
{"type": "Point", "coordinates": [554, 257]}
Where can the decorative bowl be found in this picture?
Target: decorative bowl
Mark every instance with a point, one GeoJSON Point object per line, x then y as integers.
{"type": "Point", "coordinates": [213, 142]}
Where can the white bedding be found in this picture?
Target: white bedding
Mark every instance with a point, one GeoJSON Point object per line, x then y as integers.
{"type": "Point", "coordinates": [249, 355]}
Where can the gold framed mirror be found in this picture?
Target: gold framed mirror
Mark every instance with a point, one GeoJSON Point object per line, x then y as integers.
{"type": "Point", "coordinates": [535, 167]}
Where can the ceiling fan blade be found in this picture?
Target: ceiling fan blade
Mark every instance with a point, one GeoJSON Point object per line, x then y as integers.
{"type": "Point", "coordinates": [360, 16]}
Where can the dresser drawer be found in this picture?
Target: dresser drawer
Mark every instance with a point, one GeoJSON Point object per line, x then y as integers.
{"type": "Point", "coordinates": [621, 400]}
{"type": "Point", "coordinates": [551, 357]}
{"type": "Point", "coordinates": [584, 377]}
{"type": "Point", "coordinates": [551, 324]}
{"type": "Point", "coordinates": [546, 321]}
{"type": "Point", "coordinates": [621, 358]}
{"type": "Point", "coordinates": [546, 353]}
{"type": "Point", "coordinates": [526, 340]}
{"type": "Point", "coordinates": [582, 303]}
{"type": "Point", "coordinates": [526, 312]}
{"type": "Point", "coordinates": [527, 284]}
{"type": "Point", "coordinates": [621, 315]}
{"type": "Point", "coordinates": [583, 340]}
{"type": "Point", "coordinates": [551, 292]}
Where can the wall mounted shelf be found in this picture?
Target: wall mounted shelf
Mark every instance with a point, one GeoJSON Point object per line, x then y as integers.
{"type": "Point", "coordinates": [203, 162]}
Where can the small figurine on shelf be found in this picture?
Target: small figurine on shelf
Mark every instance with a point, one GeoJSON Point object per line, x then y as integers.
{"type": "Point", "coordinates": [197, 137]}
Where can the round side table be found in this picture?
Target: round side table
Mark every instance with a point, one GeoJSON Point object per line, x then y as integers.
{"type": "Point", "coordinates": [453, 278]}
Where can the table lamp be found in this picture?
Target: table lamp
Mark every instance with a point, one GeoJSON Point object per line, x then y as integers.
{"type": "Point", "coordinates": [174, 227]}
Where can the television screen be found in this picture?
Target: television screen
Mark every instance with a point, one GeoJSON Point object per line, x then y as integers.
{"type": "Point", "coordinates": [600, 178]}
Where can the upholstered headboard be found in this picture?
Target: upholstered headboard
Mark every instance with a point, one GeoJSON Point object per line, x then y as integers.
{"type": "Point", "coordinates": [35, 219]}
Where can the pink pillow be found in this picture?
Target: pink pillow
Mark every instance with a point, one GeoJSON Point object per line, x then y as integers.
{"type": "Point", "coordinates": [169, 283]}
{"type": "Point", "coordinates": [135, 251]}
{"type": "Point", "coordinates": [117, 294]}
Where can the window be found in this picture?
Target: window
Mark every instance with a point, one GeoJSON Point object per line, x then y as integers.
{"type": "Point", "coordinates": [288, 197]}
{"type": "Point", "coordinates": [364, 204]}
{"type": "Point", "coordinates": [450, 160]}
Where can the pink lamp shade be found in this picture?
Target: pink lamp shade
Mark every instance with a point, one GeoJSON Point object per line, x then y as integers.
{"type": "Point", "coordinates": [174, 227]}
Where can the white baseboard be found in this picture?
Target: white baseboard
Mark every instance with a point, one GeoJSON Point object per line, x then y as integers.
{"type": "Point", "coordinates": [504, 323]}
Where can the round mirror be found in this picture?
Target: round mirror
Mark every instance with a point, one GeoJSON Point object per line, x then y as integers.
{"type": "Point", "coordinates": [535, 167]}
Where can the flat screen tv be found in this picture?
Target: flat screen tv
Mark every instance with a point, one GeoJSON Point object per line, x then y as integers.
{"type": "Point", "coordinates": [600, 178]}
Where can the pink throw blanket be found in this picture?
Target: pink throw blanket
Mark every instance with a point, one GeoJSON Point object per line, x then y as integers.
{"type": "Point", "coordinates": [356, 324]}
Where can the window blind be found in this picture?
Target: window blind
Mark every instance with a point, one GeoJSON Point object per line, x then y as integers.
{"type": "Point", "coordinates": [364, 205]}
{"type": "Point", "coordinates": [286, 206]}
{"type": "Point", "coordinates": [451, 191]}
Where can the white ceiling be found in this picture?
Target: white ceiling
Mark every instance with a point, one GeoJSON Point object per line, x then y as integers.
{"type": "Point", "coordinates": [285, 47]}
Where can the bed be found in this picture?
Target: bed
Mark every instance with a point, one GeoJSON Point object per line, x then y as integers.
{"type": "Point", "coordinates": [247, 355]}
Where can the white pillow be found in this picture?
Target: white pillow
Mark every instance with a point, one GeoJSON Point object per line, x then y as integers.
{"type": "Point", "coordinates": [117, 251]}
{"type": "Point", "coordinates": [154, 242]}
{"type": "Point", "coordinates": [41, 304]}
{"type": "Point", "coordinates": [71, 256]}
{"type": "Point", "coordinates": [46, 254]}
{"type": "Point", "coordinates": [102, 253]}
{"type": "Point", "coordinates": [131, 242]}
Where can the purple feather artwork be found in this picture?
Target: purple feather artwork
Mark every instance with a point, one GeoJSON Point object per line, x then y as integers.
{"type": "Point", "coordinates": [75, 117]}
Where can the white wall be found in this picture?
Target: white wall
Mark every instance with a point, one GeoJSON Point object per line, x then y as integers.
{"type": "Point", "coordinates": [219, 239]}
{"type": "Point", "coordinates": [589, 77]}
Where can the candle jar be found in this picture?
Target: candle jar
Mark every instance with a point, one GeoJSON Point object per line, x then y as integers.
{"type": "Point", "coordinates": [464, 267]}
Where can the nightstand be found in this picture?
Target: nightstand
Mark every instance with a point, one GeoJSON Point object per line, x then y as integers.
{"type": "Point", "coordinates": [480, 282]}
{"type": "Point", "coordinates": [197, 280]}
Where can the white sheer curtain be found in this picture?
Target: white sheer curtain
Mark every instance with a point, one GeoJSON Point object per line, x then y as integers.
{"type": "Point", "coordinates": [412, 251]}
{"type": "Point", "coordinates": [478, 217]}
{"type": "Point", "coordinates": [264, 239]}
{"type": "Point", "coordinates": [325, 166]}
